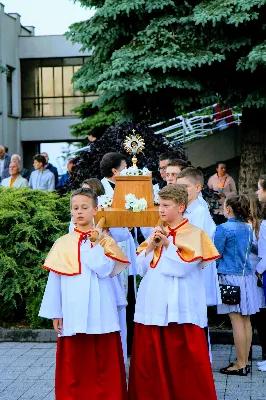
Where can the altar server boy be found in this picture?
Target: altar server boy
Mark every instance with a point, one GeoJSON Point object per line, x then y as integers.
{"type": "Point", "coordinates": [80, 299]}
{"type": "Point", "coordinates": [170, 355]}
{"type": "Point", "coordinates": [200, 216]}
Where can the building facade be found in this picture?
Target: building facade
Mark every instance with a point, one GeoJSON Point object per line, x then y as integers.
{"type": "Point", "coordinates": [36, 93]}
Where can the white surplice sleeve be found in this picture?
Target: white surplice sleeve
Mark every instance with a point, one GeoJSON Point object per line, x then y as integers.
{"type": "Point", "coordinates": [172, 265]}
{"type": "Point", "coordinates": [143, 262]}
{"type": "Point", "coordinates": [98, 262]}
{"type": "Point", "coordinates": [120, 234]}
{"type": "Point", "coordinates": [261, 266]}
{"type": "Point", "coordinates": [51, 306]}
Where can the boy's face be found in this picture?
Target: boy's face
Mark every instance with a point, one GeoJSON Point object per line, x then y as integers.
{"type": "Point", "coordinates": [162, 168]}
{"type": "Point", "coordinates": [82, 210]}
{"type": "Point", "coordinates": [172, 174]}
{"type": "Point", "coordinates": [193, 189]}
{"type": "Point", "coordinates": [37, 164]}
{"type": "Point", "coordinates": [170, 211]}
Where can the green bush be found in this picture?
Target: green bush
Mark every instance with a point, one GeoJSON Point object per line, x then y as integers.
{"type": "Point", "coordinates": [30, 222]}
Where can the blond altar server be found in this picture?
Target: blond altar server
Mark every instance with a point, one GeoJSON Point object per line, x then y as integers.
{"type": "Point", "coordinates": [200, 216]}
{"type": "Point", "coordinates": [170, 355]}
{"type": "Point", "coordinates": [81, 300]}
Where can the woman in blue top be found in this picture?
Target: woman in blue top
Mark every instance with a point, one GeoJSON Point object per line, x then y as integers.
{"type": "Point", "coordinates": [233, 240]}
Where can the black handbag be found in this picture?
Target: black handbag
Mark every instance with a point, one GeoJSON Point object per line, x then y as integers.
{"type": "Point", "coordinates": [230, 294]}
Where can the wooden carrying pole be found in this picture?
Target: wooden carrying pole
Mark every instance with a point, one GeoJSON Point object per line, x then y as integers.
{"type": "Point", "coordinates": [95, 234]}
{"type": "Point", "coordinates": [159, 223]}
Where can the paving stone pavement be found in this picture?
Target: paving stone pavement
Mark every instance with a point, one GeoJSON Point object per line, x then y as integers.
{"type": "Point", "coordinates": [27, 372]}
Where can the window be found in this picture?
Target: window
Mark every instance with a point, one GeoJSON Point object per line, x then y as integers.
{"type": "Point", "coordinates": [46, 87]}
{"type": "Point", "coordinates": [9, 90]}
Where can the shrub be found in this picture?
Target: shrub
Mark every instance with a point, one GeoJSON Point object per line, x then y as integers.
{"type": "Point", "coordinates": [30, 222]}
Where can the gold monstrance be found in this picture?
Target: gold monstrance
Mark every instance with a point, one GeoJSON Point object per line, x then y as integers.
{"type": "Point", "coordinates": [134, 144]}
{"type": "Point", "coordinates": [139, 185]}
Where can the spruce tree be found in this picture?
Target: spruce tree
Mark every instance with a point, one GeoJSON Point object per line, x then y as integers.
{"type": "Point", "coordinates": [152, 59]}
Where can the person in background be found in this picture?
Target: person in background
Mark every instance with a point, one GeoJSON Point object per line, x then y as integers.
{"type": "Point", "coordinates": [41, 178]}
{"type": "Point", "coordinates": [4, 161]}
{"type": "Point", "coordinates": [120, 235]}
{"type": "Point", "coordinates": [200, 216]}
{"type": "Point", "coordinates": [111, 166]}
{"type": "Point", "coordinates": [24, 172]}
{"type": "Point", "coordinates": [92, 138]}
{"type": "Point", "coordinates": [164, 160]}
{"type": "Point", "coordinates": [225, 185]}
{"type": "Point", "coordinates": [173, 169]}
{"type": "Point", "coordinates": [261, 265]}
{"type": "Point", "coordinates": [51, 167]}
{"type": "Point", "coordinates": [258, 319]}
{"type": "Point", "coordinates": [233, 240]}
{"type": "Point", "coordinates": [15, 180]}
{"type": "Point", "coordinates": [95, 185]}
{"type": "Point", "coordinates": [65, 177]}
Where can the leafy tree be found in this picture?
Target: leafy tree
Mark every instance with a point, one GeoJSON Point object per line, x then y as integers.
{"type": "Point", "coordinates": [154, 58]}
{"type": "Point", "coordinates": [30, 222]}
{"type": "Point", "coordinates": [3, 69]}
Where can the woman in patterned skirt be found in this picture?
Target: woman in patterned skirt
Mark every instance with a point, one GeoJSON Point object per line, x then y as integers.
{"type": "Point", "coordinates": [233, 240]}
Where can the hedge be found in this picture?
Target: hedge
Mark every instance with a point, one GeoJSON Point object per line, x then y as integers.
{"type": "Point", "coordinates": [30, 222]}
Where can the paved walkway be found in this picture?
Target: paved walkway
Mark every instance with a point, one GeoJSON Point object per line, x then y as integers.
{"type": "Point", "coordinates": [27, 372]}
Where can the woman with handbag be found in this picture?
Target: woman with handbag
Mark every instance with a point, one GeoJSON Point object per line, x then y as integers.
{"type": "Point", "coordinates": [233, 240]}
{"type": "Point", "coordinates": [261, 267]}
{"type": "Point", "coordinates": [258, 319]}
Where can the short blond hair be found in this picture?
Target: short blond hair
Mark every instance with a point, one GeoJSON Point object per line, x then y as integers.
{"type": "Point", "coordinates": [177, 193]}
{"type": "Point", "coordinates": [194, 175]}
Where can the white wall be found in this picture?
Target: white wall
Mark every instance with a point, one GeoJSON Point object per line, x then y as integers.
{"type": "Point", "coordinates": [208, 151]}
{"type": "Point", "coordinates": [10, 33]}
{"type": "Point", "coordinates": [54, 46]}
{"type": "Point", "coordinates": [47, 129]}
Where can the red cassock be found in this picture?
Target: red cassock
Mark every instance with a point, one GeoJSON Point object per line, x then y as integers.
{"type": "Point", "coordinates": [90, 367]}
{"type": "Point", "coordinates": [170, 363]}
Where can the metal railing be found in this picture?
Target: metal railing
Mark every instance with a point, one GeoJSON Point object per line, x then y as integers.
{"type": "Point", "coordinates": [196, 124]}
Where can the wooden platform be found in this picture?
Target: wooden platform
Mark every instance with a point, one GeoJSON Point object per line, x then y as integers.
{"type": "Point", "coordinates": [115, 217]}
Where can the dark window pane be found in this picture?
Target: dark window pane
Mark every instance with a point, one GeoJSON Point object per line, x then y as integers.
{"type": "Point", "coordinates": [31, 108]}
{"type": "Point", "coordinates": [70, 103]}
{"type": "Point", "coordinates": [73, 61]}
{"type": "Point", "coordinates": [30, 83]}
{"type": "Point", "coordinates": [51, 62]}
{"type": "Point", "coordinates": [52, 107]}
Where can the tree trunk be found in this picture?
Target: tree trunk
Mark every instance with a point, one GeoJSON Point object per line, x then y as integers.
{"type": "Point", "coordinates": [252, 163]}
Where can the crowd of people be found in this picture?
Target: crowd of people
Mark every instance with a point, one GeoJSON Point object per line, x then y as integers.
{"type": "Point", "coordinates": [191, 261]}
{"type": "Point", "coordinates": [43, 176]}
